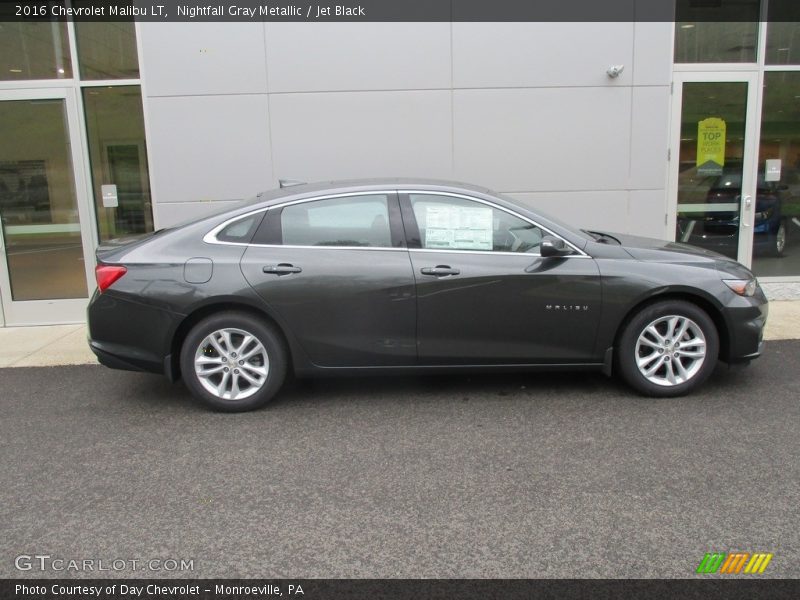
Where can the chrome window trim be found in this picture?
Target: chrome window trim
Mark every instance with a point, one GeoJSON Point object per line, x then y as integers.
{"type": "Point", "coordinates": [211, 236]}
{"type": "Point", "coordinates": [378, 248]}
{"type": "Point", "coordinates": [581, 253]}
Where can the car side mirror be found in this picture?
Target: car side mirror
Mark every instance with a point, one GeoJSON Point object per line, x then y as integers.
{"type": "Point", "coordinates": [553, 246]}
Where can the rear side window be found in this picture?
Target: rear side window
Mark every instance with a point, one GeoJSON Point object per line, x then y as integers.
{"type": "Point", "coordinates": [240, 231]}
{"type": "Point", "coordinates": [361, 221]}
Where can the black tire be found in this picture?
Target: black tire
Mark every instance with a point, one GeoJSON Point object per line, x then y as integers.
{"type": "Point", "coordinates": [274, 358]}
{"type": "Point", "coordinates": [670, 357]}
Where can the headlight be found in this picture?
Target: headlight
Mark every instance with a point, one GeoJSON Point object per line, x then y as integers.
{"type": "Point", "coordinates": [743, 287]}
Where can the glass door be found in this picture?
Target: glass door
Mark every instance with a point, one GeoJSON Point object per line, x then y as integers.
{"type": "Point", "coordinates": [713, 169]}
{"type": "Point", "coordinates": [46, 271]}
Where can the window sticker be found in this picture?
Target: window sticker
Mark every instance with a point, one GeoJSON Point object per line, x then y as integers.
{"type": "Point", "coordinates": [458, 227]}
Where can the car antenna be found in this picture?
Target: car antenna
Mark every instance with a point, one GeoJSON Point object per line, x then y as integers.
{"type": "Point", "coordinates": [284, 183]}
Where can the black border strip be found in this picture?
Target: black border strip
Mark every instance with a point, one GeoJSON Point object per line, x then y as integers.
{"type": "Point", "coordinates": [397, 10]}
{"type": "Point", "coordinates": [401, 589]}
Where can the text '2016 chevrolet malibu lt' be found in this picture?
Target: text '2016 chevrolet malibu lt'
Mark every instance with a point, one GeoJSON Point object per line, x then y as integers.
{"type": "Point", "coordinates": [399, 276]}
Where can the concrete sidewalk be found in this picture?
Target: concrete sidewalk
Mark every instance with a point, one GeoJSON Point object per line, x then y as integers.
{"type": "Point", "coordinates": [53, 345]}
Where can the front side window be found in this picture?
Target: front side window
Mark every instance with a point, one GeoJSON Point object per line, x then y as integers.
{"type": "Point", "coordinates": [361, 221]}
{"type": "Point", "coordinates": [447, 223]}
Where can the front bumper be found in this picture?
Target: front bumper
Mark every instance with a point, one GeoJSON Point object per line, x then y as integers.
{"type": "Point", "coordinates": [746, 329]}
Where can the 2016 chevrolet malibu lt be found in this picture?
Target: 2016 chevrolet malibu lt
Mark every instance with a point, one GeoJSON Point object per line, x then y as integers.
{"type": "Point", "coordinates": [398, 276]}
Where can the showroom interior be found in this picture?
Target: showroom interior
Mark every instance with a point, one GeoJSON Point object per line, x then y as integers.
{"type": "Point", "coordinates": [686, 130]}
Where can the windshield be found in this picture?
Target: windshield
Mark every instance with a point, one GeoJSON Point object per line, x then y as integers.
{"type": "Point", "coordinates": [554, 220]}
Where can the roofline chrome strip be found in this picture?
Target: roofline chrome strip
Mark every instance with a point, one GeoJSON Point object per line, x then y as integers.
{"type": "Point", "coordinates": [211, 236]}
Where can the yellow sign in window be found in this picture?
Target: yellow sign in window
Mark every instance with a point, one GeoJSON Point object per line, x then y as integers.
{"type": "Point", "coordinates": [710, 146]}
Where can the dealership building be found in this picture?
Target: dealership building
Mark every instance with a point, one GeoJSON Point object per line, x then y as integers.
{"type": "Point", "coordinates": [686, 130]}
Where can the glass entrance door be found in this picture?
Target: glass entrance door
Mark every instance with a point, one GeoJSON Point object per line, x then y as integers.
{"type": "Point", "coordinates": [713, 175]}
{"type": "Point", "coordinates": [46, 267]}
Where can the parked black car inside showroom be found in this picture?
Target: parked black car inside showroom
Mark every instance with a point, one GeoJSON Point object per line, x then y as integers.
{"type": "Point", "coordinates": [398, 276]}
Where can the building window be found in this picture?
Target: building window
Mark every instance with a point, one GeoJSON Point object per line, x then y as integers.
{"type": "Point", "coordinates": [115, 131]}
{"type": "Point", "coordinates": [107, 50]}
{"type": "Point", "coordinates": [34, 51]}
{"type": "Point", "coordinates": [783, 33]}
{"type": "Point", "coordinates": [725, 31]}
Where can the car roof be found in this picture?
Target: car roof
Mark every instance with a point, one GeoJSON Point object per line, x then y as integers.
{"type": "Point", "coordinates": [276, 196]}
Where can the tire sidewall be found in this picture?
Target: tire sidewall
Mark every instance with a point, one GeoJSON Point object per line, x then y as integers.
{"type": "Point", "coordinates": [626, 348]}
{"type": "Point", "coordinates": [272, 342]}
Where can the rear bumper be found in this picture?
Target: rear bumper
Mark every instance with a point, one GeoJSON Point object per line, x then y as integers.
{"type": "Point", "coordinates": [130, 335]}
{"type": "Point", "coordinates": [124, 359]}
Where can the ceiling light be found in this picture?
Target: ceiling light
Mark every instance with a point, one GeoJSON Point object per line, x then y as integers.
{"type": "Point", "coordinates": [687, 26]}
{"type": "Point", "coordinates": [20, 71]}
{"type": "Point", "coordinates": [61, 71]}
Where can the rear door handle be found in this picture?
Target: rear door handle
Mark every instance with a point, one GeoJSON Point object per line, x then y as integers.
{"type": "Point", "coordinates": [282, 269]}
{"type": "Point", "coordinates": [440, 271]}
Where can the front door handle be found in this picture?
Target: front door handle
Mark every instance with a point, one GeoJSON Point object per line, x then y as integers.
{"type": "Point", "coordinates": [440, 271]}
{"type": "Point", "coordinates": [282, 269]}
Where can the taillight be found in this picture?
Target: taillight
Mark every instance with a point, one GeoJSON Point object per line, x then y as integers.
{"type": "Point", "coordinates": [108, 274]}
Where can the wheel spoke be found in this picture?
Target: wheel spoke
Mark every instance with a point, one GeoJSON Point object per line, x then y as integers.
{"type": "Point", "coordinates": [672, 323]}
{"type": "Point", "coordinates": [670, 372]}
{"type": "Point", "coordinates": [683, 374]}
{"type": "Point", "coordinates": [234, 385]}
{"type": "Point", "coordinates": [211, 371]}
{"type": "Point", "coordinates": [654, 332]}
{"type": "Point", "coordinates": [250, 379]}
{"type": "Point", "coordinates": [646, 360]}
{"type": "Point", "coordinates": [222, 386]}
{"type": "Point", "coordinates": [212, 339]}
{"type": "Point", "coordinates": [681, 330]}
{"type": "Point", "coordinates": [654, 367]}
{"type": "Point", "coordinates": [262, 371]}
{"type": "Point", "coordinates": [256, 350]}
{"type": "Point", "coordinates": [226, 335]}
{"type": "Point", "coordinates": [245, 342]}
{"type": "Point", "coordinates": [692, 353]}
{"type": "Point", "coordinates": [207, 360]}
{"type": "Point", "coordinates": [649, 343]}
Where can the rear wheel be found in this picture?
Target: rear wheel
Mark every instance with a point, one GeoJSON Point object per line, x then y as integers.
{"type": "Point", "coordinates": [233, 361]}
{"type": "Point", "coordinates": [668, 349]}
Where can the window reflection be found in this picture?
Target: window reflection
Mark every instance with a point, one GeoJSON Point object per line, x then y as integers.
{"type": "Point", "coordinates": [776, 231]}
{"type": "Point", "coordinates": [724, 31]}
{"type": "Point", "coordinates": [115, 128]}
{"type": "Point", "coordinates": [34, 51]}
{"type": "Point", "coordinates": [107, 50]}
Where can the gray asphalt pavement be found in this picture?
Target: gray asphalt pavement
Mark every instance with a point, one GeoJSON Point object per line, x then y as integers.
{"type": "Point", "coordinates": [555, 475]}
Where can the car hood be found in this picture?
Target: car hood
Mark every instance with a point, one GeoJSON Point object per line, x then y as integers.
{"type": "Point", "coordinates": [663, 251]}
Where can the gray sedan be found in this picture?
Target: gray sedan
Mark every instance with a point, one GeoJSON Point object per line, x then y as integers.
{"type": "Point", "coordinates": [397, 276]}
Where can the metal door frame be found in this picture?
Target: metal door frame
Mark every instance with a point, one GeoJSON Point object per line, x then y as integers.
{"type": "Point", "coordinates": [749, 158]}
{"type": "Point", "coordinates": [71, 310]}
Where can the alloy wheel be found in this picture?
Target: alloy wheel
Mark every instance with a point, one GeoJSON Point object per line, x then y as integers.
{"type": "Point", "coordinates": [670, 350]}
{"type": "Point", "coordinates": [231, 364]}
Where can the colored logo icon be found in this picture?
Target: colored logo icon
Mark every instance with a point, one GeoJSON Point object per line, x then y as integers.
{"type": "Point", "coordinates": [734, 563]}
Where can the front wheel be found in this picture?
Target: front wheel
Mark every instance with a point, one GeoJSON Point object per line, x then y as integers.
{"type": "Point", "coordinates": [668, 349]}
{"type": "Point", "coordinates": [233, 362]}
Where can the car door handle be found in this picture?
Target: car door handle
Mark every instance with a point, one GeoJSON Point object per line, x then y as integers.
{"type": "Point", "coordinates": [440, 271]}
{"type": "Point", "coordinates": [282, 269]}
